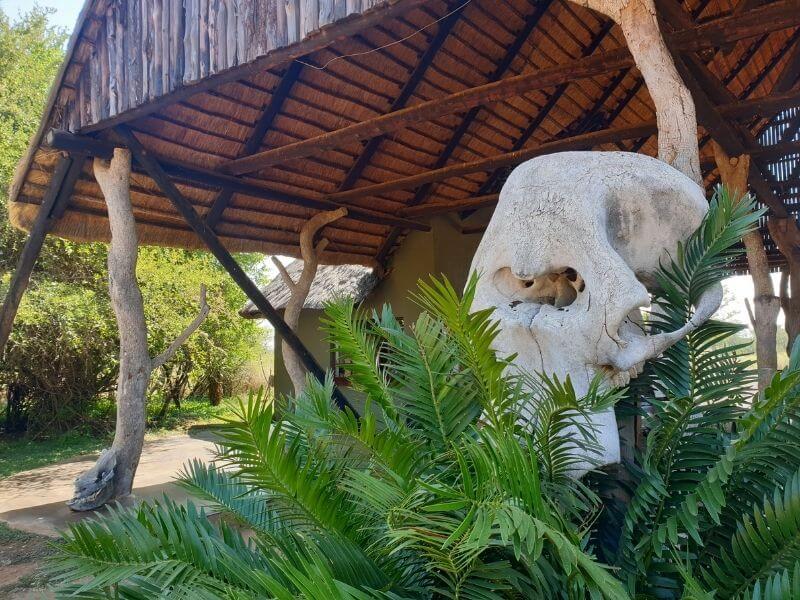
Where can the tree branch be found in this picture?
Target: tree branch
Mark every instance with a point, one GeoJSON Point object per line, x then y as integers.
{"type": "Point", "coordinates": [159, 360]}
{"type": "Point", "coordinates": [287, 279]}
{"type": "Point", "coordinates": [301, 288]}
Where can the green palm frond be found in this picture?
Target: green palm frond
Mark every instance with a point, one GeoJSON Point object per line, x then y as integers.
{"type": "Point", "coordinates": [433, 391]}
{"type": "Point", "coordinates": [473, 334]}
{"type": "Point", "coordinates": [161, 547]}
{"type": "Point", "coordinates": [780, 586]}
{"type": "Point", "coordinates": [561, 421]}
{"type": "Point", "coordinates": [358, 344]}
{"type": "Point", "coordinates": [301, 486]}
{"type": "Point", "coordinates": [227, 493]}
{"type": "Point", "coordinates": [697, 365]}
{"type": "Point", "coordinates": [357, 442]}
{"type": "Point", "coordinates": [766, 542]}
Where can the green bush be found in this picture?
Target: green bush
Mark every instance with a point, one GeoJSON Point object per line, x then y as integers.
{"type": "Point", "coordinates": [438, 491]}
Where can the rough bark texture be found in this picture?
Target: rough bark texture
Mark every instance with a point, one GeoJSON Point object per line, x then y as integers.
{"type": "Point", "coordinates": [675, 112]}
{"type": "Point", "coordinates": [112, 476]}
{"type": "Point", "coordinates": [766, 305]}
{"type": "Point", "coordinates": [300, 288]}
{"type": "Point", "coordinates": [787, 237]}
{"type": "Point", "coordinates": [126, 299]}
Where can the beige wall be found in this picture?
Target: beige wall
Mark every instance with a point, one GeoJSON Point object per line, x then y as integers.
{"type": "Point", "coordinates": [443, 250]}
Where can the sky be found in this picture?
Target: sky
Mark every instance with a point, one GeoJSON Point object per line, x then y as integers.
{"type": "Point", "coordinates": [66, 14]}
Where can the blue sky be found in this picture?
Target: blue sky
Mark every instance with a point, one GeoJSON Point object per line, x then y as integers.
{"type": "Point", "coordinates": [65, 15]}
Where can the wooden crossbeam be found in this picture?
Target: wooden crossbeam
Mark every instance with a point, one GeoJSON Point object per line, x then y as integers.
{"type": "Point", "coordinates": [212, 242]}
{"type": "Point", "coordinates": [433, 109]}
{"type": "Point", "coordinates": [578, 142]}
{"type": "Point", "coordinates": [407, 91]}
{"type": "Point", "coordinates": [773, 17]}
{"type": "Point", "coordinates": [551, 102]}
{"type": "Point", "coordinates": [444, 156]}
{"type": "Point", "coordinates": [65, 141]}
{"type": "Point", "coordinates": [739, 108]}
{"type": "Point", "coordinates": [66, 173]}
{"type": "Point", "coordinates": [439, 208]}
{"type": "Point", "coordinates": [256, 137]}
{"type": "Point", "coordinates": [475, 202]}
{"type": "Point", "coordinates": [791, 72]}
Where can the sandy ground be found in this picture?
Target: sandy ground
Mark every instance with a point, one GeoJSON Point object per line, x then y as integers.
{"type": "Point", "coordinates": [34, 502]}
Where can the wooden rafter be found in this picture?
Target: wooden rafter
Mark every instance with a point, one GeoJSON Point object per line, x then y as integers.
{"type": "Point", "coordinates": [407, 91]}
{"type": "Point", "coordinates": [500, 70]}
{"type": "Point", "coordinates": [256, 137]}
{"type": "Point", "coordinates": [583, 141]}
{"type": "Point", "coordinates": [777, 16]}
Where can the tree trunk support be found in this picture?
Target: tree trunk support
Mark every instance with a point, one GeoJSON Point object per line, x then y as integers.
{"type": "Point", "coordinates": [675, 112]}
{"type": "Point", "coordinates": [212, 242]}
{"type": "Point", "coordinates": [55, 200]}
{"type": "Point", "coordinates": [298, 290]}
{"type": "Point", "coordinates": [112, 475]}
{"type": "Point", "coordinates": [786, 234]}
{"type": "Point", "coordinates": [734, 172]}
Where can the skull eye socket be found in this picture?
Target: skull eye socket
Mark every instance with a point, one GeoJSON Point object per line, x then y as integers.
{"type": "Point", "coordinates": [557, 288]}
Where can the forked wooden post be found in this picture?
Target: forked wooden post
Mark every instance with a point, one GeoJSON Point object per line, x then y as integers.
{"type": "Point", "coordinates": [210, 239]}
{"type": "Point", "coordinates": [66, 174]}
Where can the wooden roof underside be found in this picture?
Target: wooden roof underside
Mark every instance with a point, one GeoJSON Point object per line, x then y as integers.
{"type": "Point", "coordinates": [565, 82]}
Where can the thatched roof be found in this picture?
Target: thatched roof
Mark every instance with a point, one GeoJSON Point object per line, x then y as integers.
{"type": "Point", "coordinates": [401, 109]}
{"type": "Point", "coordinates": [332, 282]}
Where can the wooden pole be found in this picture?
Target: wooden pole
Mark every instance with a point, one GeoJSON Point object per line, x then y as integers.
{"type": "Point", "coordinates": [207, 235]}
{"type": "Point", "coordinates": [734, 172]}
{"type": "Point", "coordinates": [63, 181]}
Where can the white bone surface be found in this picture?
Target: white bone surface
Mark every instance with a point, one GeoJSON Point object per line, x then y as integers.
{"type": "Point", "coordinates": [610, 216]}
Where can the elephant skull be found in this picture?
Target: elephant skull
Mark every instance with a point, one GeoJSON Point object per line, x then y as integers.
{"type": "Point", "coordinates": [568, 260]}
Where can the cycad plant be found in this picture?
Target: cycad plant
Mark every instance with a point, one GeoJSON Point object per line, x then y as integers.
{"type": "Point", "coordinates": [715, 510]}
{"type": "Point", "coordinates": [440, 490]}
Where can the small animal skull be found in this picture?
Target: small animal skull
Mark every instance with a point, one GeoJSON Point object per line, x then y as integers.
{"type": "Point", "coordinates": [567, 261]}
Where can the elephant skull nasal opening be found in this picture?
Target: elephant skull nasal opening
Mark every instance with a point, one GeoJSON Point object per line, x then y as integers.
{"type": "Point", "coordinates": [558, 288]}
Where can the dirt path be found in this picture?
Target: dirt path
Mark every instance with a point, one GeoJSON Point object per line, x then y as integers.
{"type": "Point", "coordinates": [32, 504]}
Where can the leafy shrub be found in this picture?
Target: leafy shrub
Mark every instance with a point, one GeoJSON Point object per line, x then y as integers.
{"type": "Point", "coordinates": [438, 491]}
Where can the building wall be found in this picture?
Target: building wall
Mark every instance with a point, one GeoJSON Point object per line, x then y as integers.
{"type": "Point", "coordinates": [443, 250]}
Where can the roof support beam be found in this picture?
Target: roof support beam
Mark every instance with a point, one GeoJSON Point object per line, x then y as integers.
{"type": "Point", "coordinates": [210, 239]}
{"type": "Point", "coordinates": [708, 91]}
{"type": "Point", "coordinates": [773, 17]}
{"type": "Point", "coordinates": [69, 142]}
{"type": "Point", "coordinates": [55, 200]}
{"type": "Point", "coordinates": [476, 202]}
{"type": "Point", "coordinates": [253, 143]}
{"type": "Point", "coordinates": [579, 142]}
{"type": "Point", "coordinates": [552, 100]}
{"type": "Point", "coordinates": [512, 52]}
{"type": "Point", "coordinates": [403, 97]}
{"type": "Point", "coordinates": [433, 109]}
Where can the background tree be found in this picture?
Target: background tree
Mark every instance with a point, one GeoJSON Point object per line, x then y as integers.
{"type": "Point", "coordinates": [60, 363]}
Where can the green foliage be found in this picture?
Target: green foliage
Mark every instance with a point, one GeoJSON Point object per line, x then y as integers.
{"type": "Point", "coordinates": [441, 490]}
{"type": "Point", "coordinates": [418, 497]}
{"type": "Point", "coordinates": [715, 495]}
{"type": "Point", "coordinates": [61, 360]}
